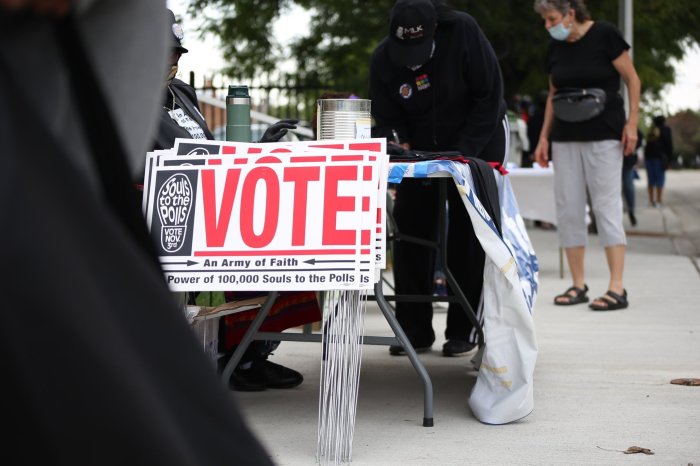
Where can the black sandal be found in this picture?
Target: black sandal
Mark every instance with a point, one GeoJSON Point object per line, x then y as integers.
{"type": "Point", "coordinates": [578, 296]}
{"type": "Point", "coordinates": [612, 301]}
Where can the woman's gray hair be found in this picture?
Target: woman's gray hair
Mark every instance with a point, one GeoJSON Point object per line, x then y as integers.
{"type": "Point", "coordinates": [563, 7]}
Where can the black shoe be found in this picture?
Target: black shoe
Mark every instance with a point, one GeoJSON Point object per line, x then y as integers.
{"type": "Point", "coordinates": [242, 380]}
{"type": "Point", "coordinates": [633, 219]}
{"type": "Point", "coordinates": [247, 380]}
{"type": "Point", "coordinates": [279, 376]}
{"type": "Point", "coordinates": [421, 347]}
{"type": "Point", "coordinates": [261, 375]}
{"type": "Point", "coordinates": [457, 348]}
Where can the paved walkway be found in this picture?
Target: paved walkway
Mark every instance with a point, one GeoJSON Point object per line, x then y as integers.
{"type": "Point", "coordinates": [602, 382]}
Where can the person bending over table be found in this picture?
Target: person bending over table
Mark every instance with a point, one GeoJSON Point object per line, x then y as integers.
{"type": "Point", "coordinates": [436, 84]}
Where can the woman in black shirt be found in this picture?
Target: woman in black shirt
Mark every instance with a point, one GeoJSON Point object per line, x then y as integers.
{"type": "Point", "coordinates": [587, 153]}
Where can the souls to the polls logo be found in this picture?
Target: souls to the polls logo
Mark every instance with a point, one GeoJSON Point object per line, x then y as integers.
{"type": "Point", "coordinates": [174, 203]}
{"type": "Point", "coordinates": [199, 151]}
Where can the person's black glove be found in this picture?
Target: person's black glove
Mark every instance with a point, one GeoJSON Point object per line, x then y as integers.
{"type": "Point", "coordinates": [276, 131]}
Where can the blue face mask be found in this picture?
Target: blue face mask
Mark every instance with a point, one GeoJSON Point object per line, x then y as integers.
{"type": "Point", "coordinates": [559, 32]}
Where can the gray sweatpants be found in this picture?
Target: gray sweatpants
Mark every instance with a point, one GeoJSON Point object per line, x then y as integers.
{"type": "Point", "coordinates": [596, 165]}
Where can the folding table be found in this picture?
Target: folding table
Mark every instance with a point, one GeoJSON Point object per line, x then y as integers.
{"type": "Point", "coordinates": [400, 338]}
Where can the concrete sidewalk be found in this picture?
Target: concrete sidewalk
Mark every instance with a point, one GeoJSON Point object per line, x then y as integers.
{"type": "Point", "coordinates": [602, 381]}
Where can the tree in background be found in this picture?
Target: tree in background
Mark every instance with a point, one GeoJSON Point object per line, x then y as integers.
{"type": "Point", "coordinates": [334, 52]}
{"type": "Point", "coordinates": [685, 128]}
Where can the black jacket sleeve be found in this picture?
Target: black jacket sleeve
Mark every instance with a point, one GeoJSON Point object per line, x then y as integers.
{"type": "Point", "coordinates": [486, 107]}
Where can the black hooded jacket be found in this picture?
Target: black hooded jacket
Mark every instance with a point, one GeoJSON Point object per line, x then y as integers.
{"type": "Point", "coordinates": [453, 102]}
{"type": "Point", "coordinates": [168, 129]}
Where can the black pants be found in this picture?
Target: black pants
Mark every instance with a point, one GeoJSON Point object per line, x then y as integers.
{"type": "Point", "coordinates": [416, 214]}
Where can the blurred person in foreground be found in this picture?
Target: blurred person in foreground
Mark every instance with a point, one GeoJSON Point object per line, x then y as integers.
{"type": "Point", "coordinates": [99, 363]}
{"type": "Point", "coordinates": [181, 117]}
{"type": "Point", "coordinates": [587, 153]}
{"type": "Point", "coordinates": [436, 83]}
{"type": "Point", "coordinates": [658, 154]}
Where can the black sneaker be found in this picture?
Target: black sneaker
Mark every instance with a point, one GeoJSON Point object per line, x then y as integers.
{"type": "Point", "coordinates": [247, 380]}
{"type": "Point", "coordinates": [279, 376]}
{"type": "Point", "coordinates": [457, 348]}
{"type": "Point", "coordinates": [261, 375]}
{"type": "Point", "coordinates": [243, 380]}
{"type": "Point", "coordinates": [397, 350]}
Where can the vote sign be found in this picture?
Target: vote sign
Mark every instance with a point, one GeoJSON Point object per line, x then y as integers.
{"type": "Point", "coordinates": [266, 221]}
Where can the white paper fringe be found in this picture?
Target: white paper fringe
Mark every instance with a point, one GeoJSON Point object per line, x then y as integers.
{"type": "Point", "coordinates": [343, 327]}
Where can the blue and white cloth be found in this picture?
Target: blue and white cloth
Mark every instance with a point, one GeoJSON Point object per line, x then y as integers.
{"type": "Point", "coordinates": [503, 391]}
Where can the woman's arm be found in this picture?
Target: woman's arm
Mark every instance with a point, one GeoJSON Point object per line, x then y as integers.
{"type": "Point", "coordinates": [542, 149]}
{"type": "Point", "coordinates": [623, 65]}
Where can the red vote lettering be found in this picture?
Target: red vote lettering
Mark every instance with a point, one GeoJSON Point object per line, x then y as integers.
{"type": "Point", "coordinates": [216, 229]}
{"type": "Point", "coordinates": [300, 176]}
{"type": "Point", "coordinates": [218, 215]}
{"type": "Point", "coordinates": [272, 207]}
{"type": "Point", "coordinates": [333, 203]}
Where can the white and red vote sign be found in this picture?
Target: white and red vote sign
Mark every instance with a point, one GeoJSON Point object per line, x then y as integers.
{"type": "Point", "coordinates": [247, 220]}
{"type": "Point", "coordinates": [194, 147]}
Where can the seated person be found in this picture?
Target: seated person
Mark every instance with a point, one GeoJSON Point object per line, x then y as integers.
{"type": "Point", "coordinates": [181, 118]}
{"type": "Point", "coordinates": [255, 372]}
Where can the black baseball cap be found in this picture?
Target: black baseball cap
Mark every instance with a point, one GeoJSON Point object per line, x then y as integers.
{"type": "Point", "coordinates": [176, 32]}
{"type": "Point", "coordinates": [412, 25]}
